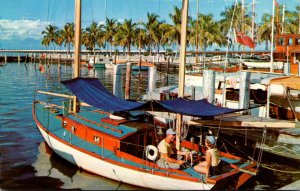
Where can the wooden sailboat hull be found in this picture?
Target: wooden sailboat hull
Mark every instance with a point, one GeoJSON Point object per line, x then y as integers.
{"type": "Point", "coordinates": [108, 167]}
{"type": "Point", "coordinates": [116, 172]}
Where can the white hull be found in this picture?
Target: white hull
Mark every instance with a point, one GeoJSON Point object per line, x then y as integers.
{"type": "Point", "coordinates": [276, 65]}
{"type": "Point", "coordinates": [104, 168]}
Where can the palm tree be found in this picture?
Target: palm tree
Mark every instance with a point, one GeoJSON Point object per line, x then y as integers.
{"type": "Point", "coordinates": [208, 32]}
{"type": "Point", "coordinates": [141, 38]}
{"type": "Point", "coordinates": [126, 34]}
{"type": "Point", "coordinates": [59, 39]}
{"type": "Point", "coordinates": [109, 30]}
{"type": "Point", "coordinates": [90, 36]}
{"type": "Point", "coordinates": [265, 30]}
{"type": "Point", "coordinates": [67, 33]}
{"type": "Point", "coordinates": [151, 27]}
{"type": "Point", "coordinates": [49, 35]}
{"type": "Point", "coordinates": [293, 21]}
{"type": "Point", "coordinates": [175, 30]}
{"type": "Point", "coordinates": [166, 37]}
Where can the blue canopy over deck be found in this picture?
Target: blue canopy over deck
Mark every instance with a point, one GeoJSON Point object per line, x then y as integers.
{"type": "Point", "coordinates": [91, 91]}
{"type": "Point", "coordinates": [197, 108]}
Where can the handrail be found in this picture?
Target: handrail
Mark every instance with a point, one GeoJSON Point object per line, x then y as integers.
{"type": "Point", "coordinates": [55, 94]}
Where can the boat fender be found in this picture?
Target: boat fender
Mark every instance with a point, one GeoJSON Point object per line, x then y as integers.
{"type": "Point", "coordinates": [151, 152]}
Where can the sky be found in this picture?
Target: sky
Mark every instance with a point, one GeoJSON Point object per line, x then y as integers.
{"type": "Point", "coordinates": [22, 21]}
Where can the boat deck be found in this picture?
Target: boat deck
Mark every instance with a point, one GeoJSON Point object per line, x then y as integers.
{"type": "Point", "coordinates": [52, 122]}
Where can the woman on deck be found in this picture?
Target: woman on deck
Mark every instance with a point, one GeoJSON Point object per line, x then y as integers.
{"type": "Point", "coordinates": [212, 164]}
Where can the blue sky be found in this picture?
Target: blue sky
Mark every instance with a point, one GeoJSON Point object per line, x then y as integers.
{"type": "Point", "coordinates": [22, 21]}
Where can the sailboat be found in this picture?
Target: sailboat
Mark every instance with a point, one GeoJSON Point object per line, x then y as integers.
{"type": "Point", "coordinates": [112, 137]}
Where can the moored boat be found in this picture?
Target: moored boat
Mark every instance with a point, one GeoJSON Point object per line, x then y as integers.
{"type": "Point", "coordinates": [94, 130]}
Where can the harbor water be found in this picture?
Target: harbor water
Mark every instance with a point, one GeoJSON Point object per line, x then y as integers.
{"type": "Point", "coordinates": [27, 163]}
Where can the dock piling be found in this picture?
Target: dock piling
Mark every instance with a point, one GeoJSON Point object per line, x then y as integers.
{"type": "Point", "coordinates": [209, 77]}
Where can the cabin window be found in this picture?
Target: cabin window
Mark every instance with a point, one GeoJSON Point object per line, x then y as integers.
{"type": "Point", "coordinates": [96, 139]}
{"type": "Point", "coordinates": [73, 129]}
{"type": "Point", "coordinates": [290, 42]}
{"type": "Point", "coordinates": [281, 41]}
{"type": "Point", "coordinates": [297, 41]}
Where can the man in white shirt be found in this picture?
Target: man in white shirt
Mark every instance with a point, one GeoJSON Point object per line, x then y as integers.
{"type": "Point", "coordinates": [166, 149]}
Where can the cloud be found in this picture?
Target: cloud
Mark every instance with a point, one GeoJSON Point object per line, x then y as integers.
{"type": "Point", "coordinates": [21, 29]}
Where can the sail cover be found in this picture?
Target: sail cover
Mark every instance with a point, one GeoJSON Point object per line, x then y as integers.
{"type": "Point", "coordinates": [91, 91]}
{"type": "Point", "coordinates": [199, 108]}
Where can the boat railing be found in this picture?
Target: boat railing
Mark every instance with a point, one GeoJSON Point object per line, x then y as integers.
{"type": "Point", "coordinates": [71, 97]}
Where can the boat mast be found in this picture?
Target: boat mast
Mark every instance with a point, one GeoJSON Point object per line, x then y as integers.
{"type": "Point", "coordinates": [283, 12]}
{"type": "Point", "coordinates": [272, 36]}
{"type": "Point", "coordinates": [243, 15]}
{"type": "Point", "coordinates": [77, 57]}
{"type": "Point", "coordinates": [181, 66]}
{"type": "Point", "coordinates": [253, 20]}
{"type": "Point", "coordinates": [197, 43]}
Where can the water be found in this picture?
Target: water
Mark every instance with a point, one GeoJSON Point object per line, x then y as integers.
{"type": "Point", "coordinates": [27, 163]}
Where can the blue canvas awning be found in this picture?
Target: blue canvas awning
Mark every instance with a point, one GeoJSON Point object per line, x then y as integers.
{"type": "Point", "coordinates": [92, 92]}
{"type": "Point", "coordinates": [199, 108]}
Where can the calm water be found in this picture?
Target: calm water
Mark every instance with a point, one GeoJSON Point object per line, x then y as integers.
{"type": "Point", "coordinates": [27, 163]}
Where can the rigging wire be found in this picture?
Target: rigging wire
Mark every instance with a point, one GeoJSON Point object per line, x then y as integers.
{"type": "Point", "coordinates": [92, 10]}
{"type": "Point", "coordinates": [48, 10]}
{"type": "Point", "coordinates": [54, 10]}
{"type": "Point", "coordinates": [129, 8]}
{"type": "Point", "coordinates": [278, 170]}
{"type": "Point", "coordinates": [67, 12]}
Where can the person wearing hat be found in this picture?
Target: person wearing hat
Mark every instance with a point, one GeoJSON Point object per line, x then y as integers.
{"type": "Point", "coordinates": [166, 148]}
{"type": "Point", "coordinates": [212, 164]}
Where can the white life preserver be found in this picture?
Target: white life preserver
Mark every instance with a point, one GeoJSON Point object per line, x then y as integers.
{"type": "Point", "coordinates": [151, 152]}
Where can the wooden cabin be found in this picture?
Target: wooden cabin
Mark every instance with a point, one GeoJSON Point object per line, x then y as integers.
{"type": "Point", "coordinates": [288, 47]}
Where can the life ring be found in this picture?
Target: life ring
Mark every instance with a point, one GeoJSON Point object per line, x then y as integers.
{"type": "Point", "coordinates": [151, 152]}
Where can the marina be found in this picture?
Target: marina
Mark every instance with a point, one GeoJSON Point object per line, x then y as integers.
{"type": "Point", "coordinates": [36, 163]}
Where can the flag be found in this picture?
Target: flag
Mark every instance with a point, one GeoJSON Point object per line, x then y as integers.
{"type": "Point", "coordinates": [276, 3]}
{"type": "Point", "coordinates": [244, 39]}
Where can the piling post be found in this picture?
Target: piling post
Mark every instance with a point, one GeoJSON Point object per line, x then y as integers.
{"type": "Point", "coordinates": [5, 58]}
{"type": "Point", "coordinates": [209, 77]}
{"type": "Point", "coordinates": [193, 97]}
{"type": "Point", "coordinates": [117, 80]}
{"type": "Point", "coordinates": [128, 80]}
{"type": "Point", "coordinates": [59, 59]}
{"type": "Point", "coordinates": [244, 94]}
{"type": "Point", "coordinates": [19, 58]}
{"type": "Point", "coordinates": [152, 72]}
{"type": "Point", "coordinates": [168, 66]}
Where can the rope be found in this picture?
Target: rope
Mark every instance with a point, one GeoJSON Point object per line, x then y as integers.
{"type": "Point", "coordinates": [10, 112]}
{"type": "Point", "coordinates": [235, 129]}
{"type": "Point", "coordinates": [238, 149]}
{"type": "Point", "coordinates": [261, 149]}
{"type": "Point", "coordinates": [278, 170]}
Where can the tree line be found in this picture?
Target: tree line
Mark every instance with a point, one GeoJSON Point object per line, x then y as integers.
{"type": "Point", "coordinates": [154, 34]}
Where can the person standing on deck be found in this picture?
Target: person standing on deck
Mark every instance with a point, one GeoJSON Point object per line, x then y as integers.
{"type": "Point", "coordinates": [166, 149]}
{"type": "Point", "coordinates": [212, 164]}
